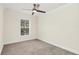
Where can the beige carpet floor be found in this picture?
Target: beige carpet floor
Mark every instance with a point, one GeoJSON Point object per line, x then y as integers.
{"type": "Point", "coordinates": [33, 47]}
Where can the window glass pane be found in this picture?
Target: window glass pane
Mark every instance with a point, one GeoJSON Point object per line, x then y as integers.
{"type": "Point", "coordinates": [24, 27]}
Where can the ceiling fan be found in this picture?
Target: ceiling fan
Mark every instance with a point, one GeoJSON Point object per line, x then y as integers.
{"type": "Point", "coordinates": [36, 9]}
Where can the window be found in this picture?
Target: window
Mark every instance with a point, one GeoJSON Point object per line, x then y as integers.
{"type": "Point", "coordinates": [24, 27]}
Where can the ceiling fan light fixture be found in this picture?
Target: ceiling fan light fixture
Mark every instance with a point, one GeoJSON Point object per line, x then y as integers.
{"type": "Point", "coordinates": [34, 11]}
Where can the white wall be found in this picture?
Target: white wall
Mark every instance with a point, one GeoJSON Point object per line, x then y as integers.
{"type": "Point", "coordinates": [61, 27]}
{"type": "Point", "coordinates": [12, 27]}
{"type": "Point", "coordinates": [1, 28]}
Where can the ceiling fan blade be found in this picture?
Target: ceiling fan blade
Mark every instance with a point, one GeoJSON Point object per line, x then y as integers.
{"type": "Point", "coordinates": [34, 5]}
{"type": "Point", "coordinates": [38, 5]}
{"type": "Point", "coordinates": [41, 11]}
{"type": "Point", "coordinates": [32, 13]}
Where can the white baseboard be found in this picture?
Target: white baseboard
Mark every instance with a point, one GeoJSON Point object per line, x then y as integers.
{"type": "Point", "coordinates": [68, 49]}
{"type": "Point", "coordinates": [11, 42]}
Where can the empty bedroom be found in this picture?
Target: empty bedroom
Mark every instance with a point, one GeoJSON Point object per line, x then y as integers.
{"type": "Point", "coordinates": [39, 28]}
